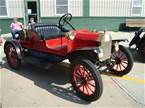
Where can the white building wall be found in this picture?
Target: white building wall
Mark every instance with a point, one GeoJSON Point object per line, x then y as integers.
{"type": "Point", "coordinates": [143, 8]}
{"type": "Point", "coordinates": [75, 7]}
{"type": "Point", "coordinates": [110, 7]}
{"type": "Point", "coordinates": [15, 8]}
{"type": "Point", "coordinates": [47, 8]}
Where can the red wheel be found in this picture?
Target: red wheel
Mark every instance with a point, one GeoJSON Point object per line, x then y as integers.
{"type": "Point", "coordinates": [86, 80]}
{"type": "Point", "coordinates": [122, 60]}
{"type": "Point", "coordinates": [12, 56]}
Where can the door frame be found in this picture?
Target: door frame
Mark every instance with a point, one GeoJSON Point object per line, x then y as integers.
{"type": "Point", "coordinates": [26, 10]}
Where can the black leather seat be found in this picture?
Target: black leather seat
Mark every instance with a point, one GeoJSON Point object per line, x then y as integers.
{"type": "Point", "coordinates": [46, 31]}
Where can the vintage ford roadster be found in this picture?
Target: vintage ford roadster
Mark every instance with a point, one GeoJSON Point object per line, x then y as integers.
{"type": "Point", "coordinates": [87, 52]}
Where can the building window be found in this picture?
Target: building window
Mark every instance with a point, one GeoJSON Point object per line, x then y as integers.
{"type": "Point", "coordinates": [61, 7]}
{"type": "Point", "coordinates": [3, 8]}
{"type": "Point", "coordinates": [136, 7]}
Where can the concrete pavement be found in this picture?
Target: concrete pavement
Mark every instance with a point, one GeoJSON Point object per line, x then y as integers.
{"type": "Point", "coordinates": [35, 87]}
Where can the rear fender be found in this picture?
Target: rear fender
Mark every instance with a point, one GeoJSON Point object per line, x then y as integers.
{"type": "Point", "coordinates": [17, 46]}
{"type": "Point", "coordinates": [115, 43]}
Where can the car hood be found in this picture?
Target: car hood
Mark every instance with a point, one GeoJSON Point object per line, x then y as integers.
{"type": "Point", "coordinates": [86, 35]}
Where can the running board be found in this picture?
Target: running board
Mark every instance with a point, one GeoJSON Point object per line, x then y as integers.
{"type": "Point", "coordinates": [41, 63]}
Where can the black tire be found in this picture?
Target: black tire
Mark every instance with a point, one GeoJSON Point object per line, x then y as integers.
{"type": "Point", "coordinates": [92, 75]}
{"type": "Point", "coordinates": [123, 61]}
{"type": "Point", "coordinates": [12, 56]}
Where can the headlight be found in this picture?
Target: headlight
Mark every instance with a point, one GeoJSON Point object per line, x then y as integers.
{"type": "Point", "coordinates": [101, 54]}
{"type": "Point", "coordinates": [71, 35]}
{"type": "Point", "coordinates": [99, 51]}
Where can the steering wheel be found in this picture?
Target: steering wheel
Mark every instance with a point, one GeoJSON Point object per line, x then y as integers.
{"type": "Point", "coordinates": [64, 20]}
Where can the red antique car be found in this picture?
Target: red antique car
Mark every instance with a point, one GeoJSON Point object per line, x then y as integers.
{"type": "Point", "coordinates": [87, 52]}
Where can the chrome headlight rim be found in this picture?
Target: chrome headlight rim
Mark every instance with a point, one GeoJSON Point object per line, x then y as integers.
{"type": "Point", "coordinates": [71, 35]}
{"type": "Point", "coordinates": [99, 51]}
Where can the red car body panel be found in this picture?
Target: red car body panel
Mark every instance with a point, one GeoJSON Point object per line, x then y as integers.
{"type": "Point", "coordinates": [62, 46]}
{"type": "Point", "coordinates": [86, 35]}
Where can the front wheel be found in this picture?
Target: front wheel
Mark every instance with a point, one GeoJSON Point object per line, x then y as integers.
{"type": "Point", "coordinates": [86, 80]}
{"type": "Point", "coordinates": [122, 61]}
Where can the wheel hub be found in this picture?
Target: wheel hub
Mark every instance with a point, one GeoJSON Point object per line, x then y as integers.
{"type": "Point", "coordinates": [118, 60]}
{"type": "Point", "coordinates": [83, 81]}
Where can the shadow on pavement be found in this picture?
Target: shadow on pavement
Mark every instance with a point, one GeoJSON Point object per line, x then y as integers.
{"type": "Point", "coordinates": [50, 79]}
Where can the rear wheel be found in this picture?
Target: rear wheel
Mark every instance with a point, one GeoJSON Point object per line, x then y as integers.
{"type": "Point", "coordinates": [86, 80]}
{"type": "Point", "coordinates": [12, 56]}
{"type": "Point", "coordinates": [122, 61]}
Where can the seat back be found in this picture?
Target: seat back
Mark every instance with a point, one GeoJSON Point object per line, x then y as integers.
{"type": "Point", "coordinates": [46, 31]}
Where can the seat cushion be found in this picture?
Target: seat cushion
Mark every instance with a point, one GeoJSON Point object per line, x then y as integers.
{"type": "Point", "coordinates": [46, 31]}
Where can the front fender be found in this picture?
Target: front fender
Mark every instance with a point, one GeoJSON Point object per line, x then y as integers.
{"type": "Point", "coordinates": [87, 54]}
{"type": "Point", "coordinates": [17, 46]}
{"type": "Point", "coordinates": [120, 40]}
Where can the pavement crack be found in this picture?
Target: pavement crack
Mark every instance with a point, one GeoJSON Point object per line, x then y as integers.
{"type": "Point", "coordinates": [126, 91]}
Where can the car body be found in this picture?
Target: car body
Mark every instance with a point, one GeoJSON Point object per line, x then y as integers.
{"type": "Point", "coordinates": [86, 50]}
